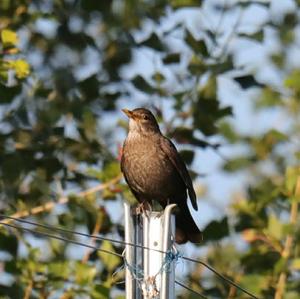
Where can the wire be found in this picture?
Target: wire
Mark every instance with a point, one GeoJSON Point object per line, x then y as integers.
{"type": "Point", "coordinates": [58, 229]}
{"type": "Point", "coordinates": [189, 289]}
{"type": "Point", "coordinates": [220, 275]}
{"type": "Point", "coordinates": [60, 238]}
{"type": "Point", "coordinates": [50, 227]}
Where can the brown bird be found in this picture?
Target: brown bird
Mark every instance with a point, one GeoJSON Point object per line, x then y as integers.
{"type": "Point", "coordinates": [154, 170]}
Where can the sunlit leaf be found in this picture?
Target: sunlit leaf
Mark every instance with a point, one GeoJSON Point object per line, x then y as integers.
{"type": "Point", "coordinates": [185, 3]}
{"type": "Point", "coordinates": [275, 228]}
{"type": "Point", "coordinates": [110, 261]}
{"type": "Point", "coordinates": [22, 68]}
{"type": "Point", "coordinates": [9, 38]}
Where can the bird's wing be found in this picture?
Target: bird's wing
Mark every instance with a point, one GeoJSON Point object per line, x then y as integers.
{"type": "Point", "coordinates": [170, 151]}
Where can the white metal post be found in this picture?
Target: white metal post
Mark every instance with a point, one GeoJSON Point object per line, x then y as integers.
{"type": "Point", "coordinates": [130, 287]}
{"type": "Point", "coordinates": [158, 281]}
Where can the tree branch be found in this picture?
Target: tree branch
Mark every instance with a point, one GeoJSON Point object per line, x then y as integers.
{"type": "Point", "coordinates": [62, 200]}
{"type": "Point", "coordinates": [280, 288]}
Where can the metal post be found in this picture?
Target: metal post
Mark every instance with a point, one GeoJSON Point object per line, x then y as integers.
{"type": "Point", "coordinates": [168, 277]}
{"type": "Point", "coordinates": [157, 282]}
{"type": "Point", "coordinates": [129, 253]}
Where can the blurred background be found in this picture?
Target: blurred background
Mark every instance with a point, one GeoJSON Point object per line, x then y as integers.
{"type": "Point", "coordinates": [223, 79]}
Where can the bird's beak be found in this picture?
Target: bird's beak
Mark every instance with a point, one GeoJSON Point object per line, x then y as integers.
{"type": "Point", "coordinates": [129, 113]}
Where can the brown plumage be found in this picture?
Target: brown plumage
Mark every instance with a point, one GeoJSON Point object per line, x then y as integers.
{"type": "Point", "coordinates": [155, 171]}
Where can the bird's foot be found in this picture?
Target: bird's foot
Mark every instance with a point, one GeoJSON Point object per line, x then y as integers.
{"type": "Point", "coordinates": [143, 208]}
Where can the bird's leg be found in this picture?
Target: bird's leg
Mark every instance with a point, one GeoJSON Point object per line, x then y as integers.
{"type": "Point", "coordinates": [143, 208]}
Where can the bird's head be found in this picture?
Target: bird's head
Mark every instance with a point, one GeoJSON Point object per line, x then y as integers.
{"type": "Point", "coordinates": [141, 121]}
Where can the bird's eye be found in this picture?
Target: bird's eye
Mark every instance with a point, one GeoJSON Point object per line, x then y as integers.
{"type": "Point", "coordinates": [145, 117]}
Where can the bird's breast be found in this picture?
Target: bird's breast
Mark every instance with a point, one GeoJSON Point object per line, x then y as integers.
{"type": "Point", "coordinates": [147, 168]}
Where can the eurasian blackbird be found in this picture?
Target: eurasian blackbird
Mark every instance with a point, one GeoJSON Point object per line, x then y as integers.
{"type": "Point", "coordinates": [154, 170]}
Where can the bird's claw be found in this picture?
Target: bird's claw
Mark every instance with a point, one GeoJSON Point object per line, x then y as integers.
{"type": "Point", "coordinates": [143, 208]}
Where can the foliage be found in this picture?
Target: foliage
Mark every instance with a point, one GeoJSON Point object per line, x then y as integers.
{"type": "Point", "coordinates": [66, 68]}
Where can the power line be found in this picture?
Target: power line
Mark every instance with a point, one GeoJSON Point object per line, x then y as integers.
{"type": "Point", "coordinates": [189, 289]}
{"type": "Point", "coordinates": [50, 227]}
{"type": "Point", "coordinates": [99, 238]}
{"type": "Point", "coordinates": [220, 275]}
{"type": "Point", "coordinates": [60, 238]}
{"type": "Point", "coordinates": [84, 245]}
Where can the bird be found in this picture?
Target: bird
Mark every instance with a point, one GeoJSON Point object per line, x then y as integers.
{"type": "Point", "coordinates": [155, 172]}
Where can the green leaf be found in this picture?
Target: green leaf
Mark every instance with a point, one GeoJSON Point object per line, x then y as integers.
{"type": "Point", "coordinates": [140, 83]}
{"type": "Point", "coordinates": [258, 36]}
{"type": "Point", "coordinates": [172, 58]}
{"type": "Point", "coordinates": [227, 131]}
{"type": "Point", "coordinates": [238, 163]}
{"type": "Point", "coordinates": [158, 77]}
{"type": "Point", "coordinates": [291, 176]}
{"type": "Point", "coordinates": [187, 156]}
{"type": "Point", "coordinates": [84, 273]}
{"type": "Point", "coordinates": [9, 38]}
{"type": "Point", "coordinates": [100, 292]}
{"type": "Point", "coordinates": [185, 3]}
{"type": "Point", "coordinates": [59, 269]}
{"type": "Point", "coordinates": [198, 46]}
{"type": "Point", "coordinates": [248, 81]}
{"type": "Point", "coordinates": [110, 261]}
{"type": "Point", "coordinates": [295, 264]}
{"type": "Point", "coordinates": [197, 65]}
{"type": "Point", "coordinates": [216, 230]}
{"type": "Point", "coordinates": [292, 81]}
{"type": "Point", "coordinates": [268, 98]}
{"type": "Point", "coordinates": [275, 227]}
{"type": "Point", "coordinates": [8, 93]}
{"type": "Point", "coordinates": [254, 283]}
{"type": "Point", "coordinates": [154, 42]}
{"type": "Point", "coordinates": [21, 67]}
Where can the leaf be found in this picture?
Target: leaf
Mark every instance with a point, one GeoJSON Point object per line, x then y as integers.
{"type": "Point", "coordinates": [198, 46]}
{"type": "Point", "coordinates": [227, 131]}
{"type": "Point", "coordinates": [206, 110]}
{"type": "Point", "coordinates": [9, 38]}
{"type": "Point", "coordinates": [172, 58]}
{"type": "Point", "coordinates": [110, 261]}
{"type": "Point", "coordinates": [140, 83]}
{"type": "Point", "coordinates": [268, 98]}
{"type": "Point", "coordinates": [8, 243]}
{"type": "Point", "coordinates": [275, 227]}
{"type": "Point", "coordinates": [216, 230]}
{"type": "Point", "coordinates": [185, 3]}
{"type": "Point", "coordinates": [100, 292]}
{"type": "Point", "coordinates": [158, 77]}
{"type": "Point", "coordinates": [295, 264]}
{"type": "Point", "coordinates": [187, 156]}
{"type": "Point", "coordinates": [291, 176]}
{"type": "Point", "coordinates": [197, 65]}
{"type": "Point", "coordinates": [22, 68]}
{"type": "Point", "coordinates": [110, 171]}
{"type": "Point", "coordinates": [254, 283]}
{"type": "Point", "coordinates": [258, 36]}
{"type": "Point", "coordinates": [84, 273]}
{"type": "Point", "coordinates": [8, 93]}
{"type": "Point", "coordinates": [90, 87]}
{"type": "Point", "coordinates": [292, 81]}
{"type": "Point", "coordinates": [185, 135]}
{"type": "Point", "coordinates": [59, 269]}
{"type": "Point", "coordinates": [248, 81]}
{"type": "Point", "coordinates": [154, 42]}
{"type": "Point", "coordinates": [238, 163]}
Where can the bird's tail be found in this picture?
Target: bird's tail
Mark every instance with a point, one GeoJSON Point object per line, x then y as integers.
{"type": "Point", "coordinates": [186, 228]}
